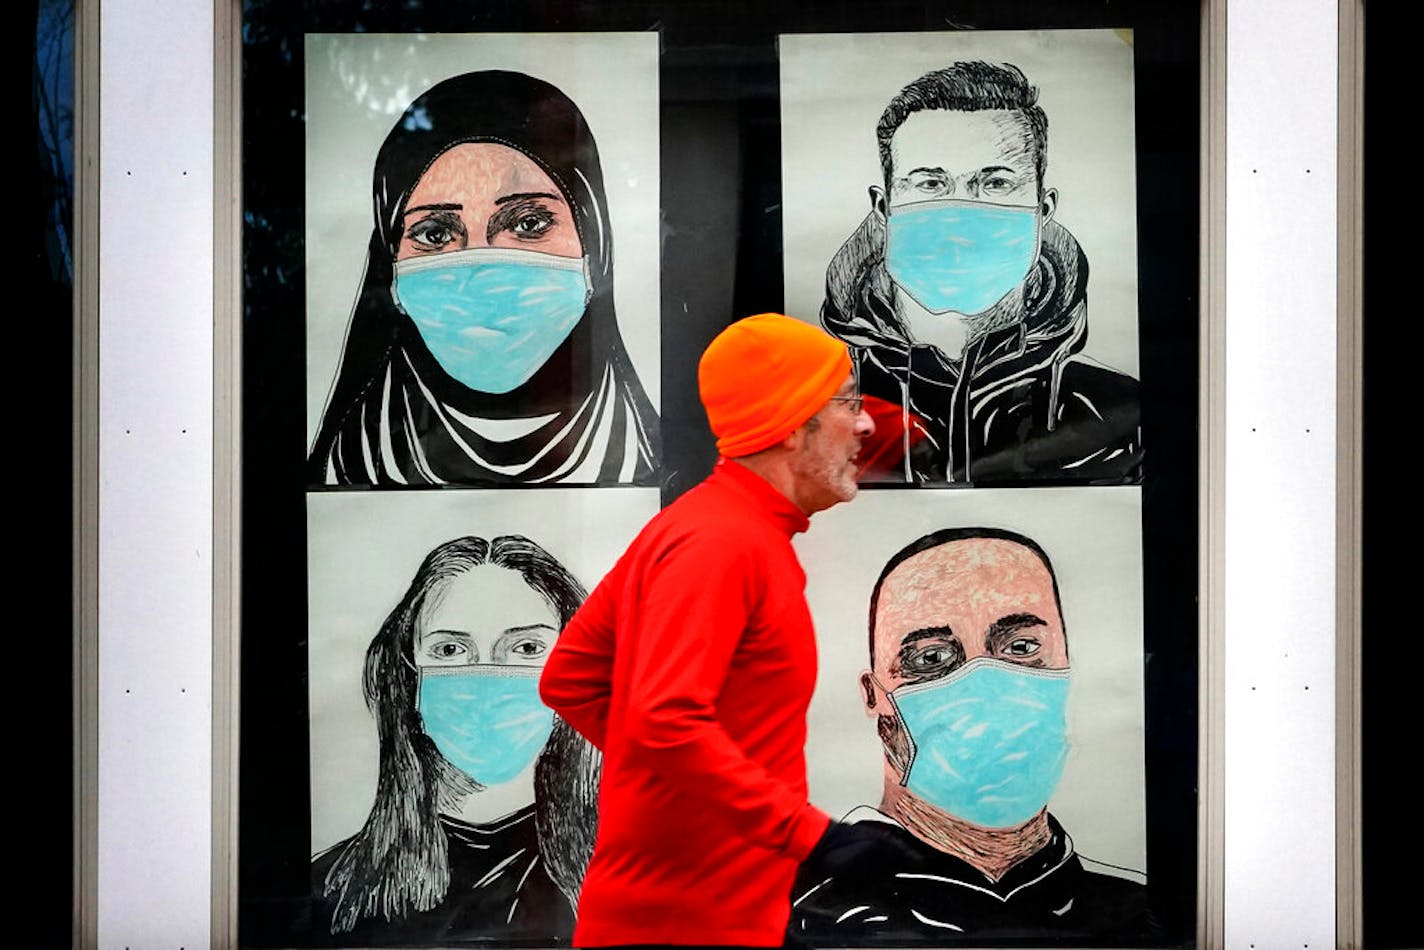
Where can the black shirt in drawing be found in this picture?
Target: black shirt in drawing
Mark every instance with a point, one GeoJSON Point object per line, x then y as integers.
{"type": "Point", "coordinates": [1021, 406]}
{"type": "Point", "coordinates": [877, 885]}
{"type": "Point", "coordinates": [499, 894]}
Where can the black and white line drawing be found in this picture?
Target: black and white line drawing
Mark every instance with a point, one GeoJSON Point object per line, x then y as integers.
{"type": "Point", "coordinates": [485, 807]}
{"type": "Point", "coordinates": [961, 291]}
{"type": "Point", "coordinates": [967, 687]}
{"type": "Point", "coordinates": [483, 347]}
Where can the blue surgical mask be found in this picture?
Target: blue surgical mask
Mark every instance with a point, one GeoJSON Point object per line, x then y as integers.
{"type": "Point", "coordinates": [963, 256]}
{"type": "Point", "coordinates": [989, 741]}
{"type": "Point", "coordinates": [486, 720]}
{"type": "Point", "coordinates": [492, 316]}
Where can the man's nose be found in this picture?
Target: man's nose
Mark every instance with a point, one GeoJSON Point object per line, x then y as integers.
{"type": "Point", "coordinates": [864, 424]}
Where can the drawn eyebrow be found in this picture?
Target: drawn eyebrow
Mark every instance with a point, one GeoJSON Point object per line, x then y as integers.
{"type": "Point", "coordinates": [455, 634]}
{"type": "Point", "coordinates": [440, 207]}
{"type": "Point", "coordinates": [928, 171]}
{"type": "Point", "coordinates": [528, 627]}
{"type": "Point", "coordinates": [925, 633]}
{"type": "Point", "coordinates": [518, 195]}
{"type": "Point", "coordinates": [1005, 627]}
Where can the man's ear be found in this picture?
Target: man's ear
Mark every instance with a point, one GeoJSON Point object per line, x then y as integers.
{"type": "Point", "coordinates": [878, 202]}
{"type": "Point", "coordinates": [867, 694]}
{"type": "Point", "coordinates": [1049, 203]}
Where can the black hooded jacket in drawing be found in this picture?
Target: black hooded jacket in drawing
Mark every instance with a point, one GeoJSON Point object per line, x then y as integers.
{"type": "Point", "coordinates": [485, 805]}
{"type": "Point", "coordinates": [483, 347]}
{"type": "Point", "coordinates": [967, 690]}
{"type": "Point", "coordinates": [965, 303]}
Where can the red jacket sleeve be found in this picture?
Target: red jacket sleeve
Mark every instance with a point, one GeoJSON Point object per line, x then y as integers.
{"type": "Point", "coordinates": [695, 605]}
{"type": "Point", "coordinates": [577, 682]}
{"type": "Point", "coordinates": [896, 430]}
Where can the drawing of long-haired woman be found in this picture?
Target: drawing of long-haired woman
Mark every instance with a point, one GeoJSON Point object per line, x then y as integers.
{"type": "Point", "coordinates": [485, 806]}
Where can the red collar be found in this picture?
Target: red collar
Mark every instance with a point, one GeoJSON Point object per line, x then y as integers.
{"type": "Point", "coordinates": [782, 510]}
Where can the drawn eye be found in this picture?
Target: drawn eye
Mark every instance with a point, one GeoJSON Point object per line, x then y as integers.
{"type": "Point", "coordinates": [524, 645]}
{"type": "Point", "coordinates": [932, 184]}
{"type": "Point", "coordinates": [435, 233]}
{"type": "Point", "coordinates": [933, 657]}
{"type": "Point", "coordinates": [1023, 646]}
{"type": "Point", "coordinates": [923, 183]}
{"type": "Point", "coordinates": [999, 185]}
{"type": "Point", "coordinates": [446, 650]}
{"type": "Point", "coordinates": [528, 649]}
{"type": "Point", "coordinates": [533, 225]}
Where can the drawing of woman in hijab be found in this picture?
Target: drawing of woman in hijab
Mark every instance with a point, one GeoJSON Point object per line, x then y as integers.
{"type": "Point", "coordinates": [486, 802]}
{"type": "Point", "coordinates": [483, 347]}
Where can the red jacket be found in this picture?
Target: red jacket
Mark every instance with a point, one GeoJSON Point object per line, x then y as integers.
{"type": "Point", "coordinates": [691, 666]}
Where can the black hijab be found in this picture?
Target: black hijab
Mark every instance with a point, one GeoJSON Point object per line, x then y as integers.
{"type": "Point", "coordinates": [395, 417]}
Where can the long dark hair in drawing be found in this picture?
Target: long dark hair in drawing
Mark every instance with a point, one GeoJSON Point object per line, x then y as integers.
{"type": "Point", "coordinates": [398, 863]}
{"type": "Point", "coordinates": [497, 365]}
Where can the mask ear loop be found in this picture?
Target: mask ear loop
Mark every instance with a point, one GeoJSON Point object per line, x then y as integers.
{"type": "Point", "coordinates": [418, 677]}
{"type": "Point", "coordinates": [904, 730]}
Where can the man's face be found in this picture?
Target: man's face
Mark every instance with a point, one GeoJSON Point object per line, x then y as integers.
{"type": "Point", "coordinates": [963, 220]}
{"type": "Point", "coordinates": [985, 156]}
{"type": "Point", "coordinates": [982, 597]}
{"type": "Point", "coordinates": [824, 466]}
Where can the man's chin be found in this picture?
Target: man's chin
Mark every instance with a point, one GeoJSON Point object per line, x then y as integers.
{"type": "Point", "coordinates": [851, 478]}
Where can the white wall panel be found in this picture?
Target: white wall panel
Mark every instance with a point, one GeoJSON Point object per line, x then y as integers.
{"type": "Point", "coordinates": [155, 473]}
{"type": "Point", "coordinates": [1280, 474]}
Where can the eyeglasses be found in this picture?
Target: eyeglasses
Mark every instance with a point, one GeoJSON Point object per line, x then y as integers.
{"type": "Point", "coordinates": [856, 402]}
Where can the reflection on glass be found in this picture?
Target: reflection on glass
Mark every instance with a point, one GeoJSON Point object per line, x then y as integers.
{"type": "Point", "coordinates": [53, 92]}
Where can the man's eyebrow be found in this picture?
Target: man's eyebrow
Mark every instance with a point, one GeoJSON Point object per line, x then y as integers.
{"type": "Point", "coordinates": [1005, 627]}
{"type": "Point", "coordinates": [930, 171]}
{"type": "Point", "coordinates": [440, 207]}
{"type": "Point", "coordinates": [1002, 168]}
{"type": "Point", "coordinates": [504, 199]}
{"type": "Point", "coordinates": [925, 633]}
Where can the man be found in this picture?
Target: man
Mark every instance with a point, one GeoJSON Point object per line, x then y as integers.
{"type": "Point", "coordinates": [967, 687]}
{"type": "Point", "coordinates": [693, 662]}
{"type": "Point", "coordinates": [965, 303]}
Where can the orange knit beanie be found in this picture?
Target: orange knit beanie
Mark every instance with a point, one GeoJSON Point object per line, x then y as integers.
{"type": "Point", "coordinates": [763, 376]}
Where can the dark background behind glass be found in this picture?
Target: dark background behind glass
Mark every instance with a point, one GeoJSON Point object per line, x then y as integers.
{"type": "Point", "coordinates": [722, 258]}
{"type": "Point", "coordinates": [1392, 836]}
{"type": "Point", "coordinates": [41, 836]}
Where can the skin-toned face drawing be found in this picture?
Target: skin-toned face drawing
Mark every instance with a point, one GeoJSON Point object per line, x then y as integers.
{"type": "Point", "coordinates": [974, 156]}
{"type": "Point", "coordinates": [481, 194]}
{"type": "Point", "coordinates": [824, 467]}
{"type": "Point", "coordinates": [980, 597]}
{"type": "Point", "coordinates": [486, 615]}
